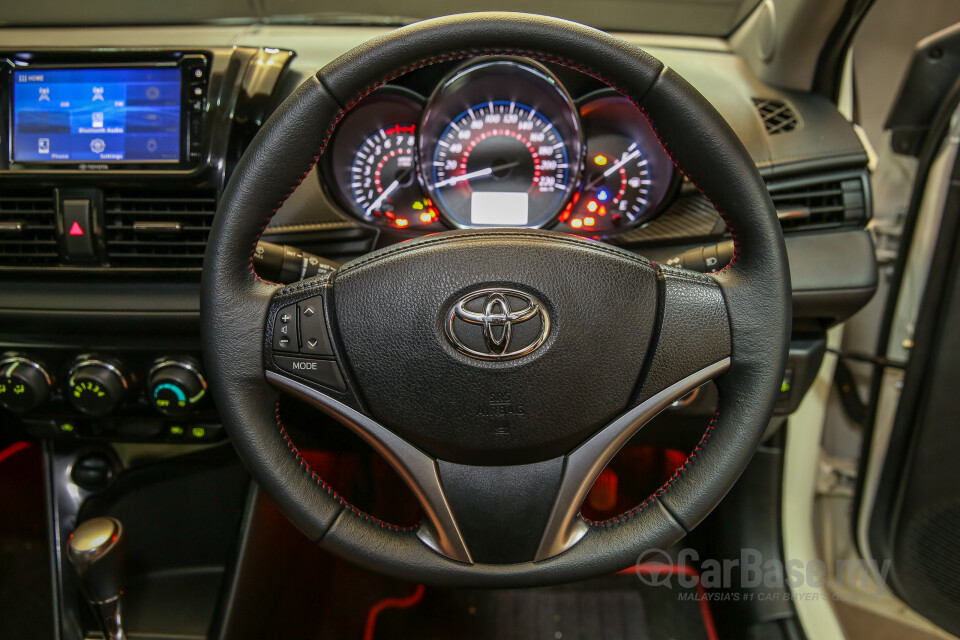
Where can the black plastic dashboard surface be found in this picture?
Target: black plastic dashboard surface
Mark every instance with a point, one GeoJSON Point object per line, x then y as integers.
{"type": "Point", "coordinates": [160, 291]}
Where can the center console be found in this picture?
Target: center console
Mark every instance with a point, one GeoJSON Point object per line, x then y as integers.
{"type": "Point", "coordinates": [111, 165]}
{"type": "Point", "coordinates": [114, 159]}
{"type": "Point", "coordinates": [112, 162]}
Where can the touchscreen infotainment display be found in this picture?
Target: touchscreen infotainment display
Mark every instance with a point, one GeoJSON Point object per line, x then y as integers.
{"type": "Point", "coordinates": [96, 115]}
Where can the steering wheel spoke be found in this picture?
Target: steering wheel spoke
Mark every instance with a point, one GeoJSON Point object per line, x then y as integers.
{"type": "Point", "coordinates": [694, 332]}
{"type": "Point", "coordinates": [565, 527]}
{"type": "Point", "coordinates": [417, 469]}
{"type": "Point", "coordinates": [692, 347]}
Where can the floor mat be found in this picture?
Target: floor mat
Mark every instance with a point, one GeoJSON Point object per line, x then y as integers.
{"type": "Point", "coordinates": [617, 607]}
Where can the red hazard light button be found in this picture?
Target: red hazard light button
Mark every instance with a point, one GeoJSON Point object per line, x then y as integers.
{"type": "Point", "coordinates": [77, 224]}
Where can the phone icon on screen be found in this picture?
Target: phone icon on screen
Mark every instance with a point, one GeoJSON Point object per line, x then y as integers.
{"type": "Point", "coordinates": [43, 145]}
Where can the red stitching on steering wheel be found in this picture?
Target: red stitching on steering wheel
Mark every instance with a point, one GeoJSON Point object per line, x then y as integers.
{"type": "Point", "coordinates": [460, 55]}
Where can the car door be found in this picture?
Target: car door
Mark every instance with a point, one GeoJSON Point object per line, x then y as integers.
{"type": "Point", "coordinates": [909, 493]}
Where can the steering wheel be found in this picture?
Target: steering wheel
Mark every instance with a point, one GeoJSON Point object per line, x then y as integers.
{"type": "Point", "coordinates": [449, 354]}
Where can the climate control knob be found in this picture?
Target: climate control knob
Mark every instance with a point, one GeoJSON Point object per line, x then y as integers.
{"type": "Point", "coordinates": [96, 387]}
{"type": "Point", "coordinates": [175, 386]}
{"type": "Point", "coordinates": [24, 384]}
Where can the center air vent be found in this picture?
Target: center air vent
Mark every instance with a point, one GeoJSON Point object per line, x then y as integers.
{"type": "Point", "coordinates": [777, 115]}
{"type": "Point", "coordinates": [27, 228]}
{"type": "Point", "coordinates": [157, 230]}
{"type": "Point", "coordinates": [822, 201]}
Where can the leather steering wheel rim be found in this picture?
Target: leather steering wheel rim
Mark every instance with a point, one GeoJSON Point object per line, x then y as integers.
{"type": "Point", "coordinates": [755, 290]}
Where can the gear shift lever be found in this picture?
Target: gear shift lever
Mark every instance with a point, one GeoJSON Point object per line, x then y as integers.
{"type": "Point", "coordinates": [97, 550]}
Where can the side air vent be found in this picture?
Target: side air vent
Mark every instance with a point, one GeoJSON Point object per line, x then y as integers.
{"type": "Point", "coordinates": [28, 235]}
{"type": "Point", "coordinates": [822, 201]}
{"type": "Point", "coordinates": [777, 115]}
{"type": "Point", "coordinates": [157, 230]}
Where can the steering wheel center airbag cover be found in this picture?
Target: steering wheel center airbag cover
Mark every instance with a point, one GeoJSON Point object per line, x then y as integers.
{"type": "Point", "coordinates": [588, 309]}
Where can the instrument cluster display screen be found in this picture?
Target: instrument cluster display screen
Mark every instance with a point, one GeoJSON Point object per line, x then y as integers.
{"type": "Point", "coordinates": [72, 115]}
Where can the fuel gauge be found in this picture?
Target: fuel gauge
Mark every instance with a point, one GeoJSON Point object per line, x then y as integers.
{"type": "Point", "coordinates": [626, 175]}
{"type": "Point", "coordinates": [616, 184]}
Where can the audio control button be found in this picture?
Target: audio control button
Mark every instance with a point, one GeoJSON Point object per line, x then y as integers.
{"type": "Point", "coordinates": [322, 372]}
{"type": "Point", "coordinates": [314, 339]}
{"type": "Point", "coordinates": [285, 330]}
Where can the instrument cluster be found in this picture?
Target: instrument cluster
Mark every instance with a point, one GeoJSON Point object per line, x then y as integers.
{"type": "Point", "coordinates": [500, 142]}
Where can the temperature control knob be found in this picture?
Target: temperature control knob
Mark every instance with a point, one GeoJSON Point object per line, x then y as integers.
{"type": "Point", "coordinates": [175, 386]}
{"type": "Point", "coordinates": [96, 387]}
{"type": "Point", "coordinates": [24, 385]}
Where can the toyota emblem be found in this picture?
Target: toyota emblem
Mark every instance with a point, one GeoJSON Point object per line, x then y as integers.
{"type": "Point", "coordinates": [495, 315]}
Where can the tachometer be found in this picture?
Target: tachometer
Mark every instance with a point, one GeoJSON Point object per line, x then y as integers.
{"type": "Point", "coordinates": [384, 178]}
{"type": "Point", "coordinates": [500, 146]}
{"type": "Point", "coordinates": [373, 163]}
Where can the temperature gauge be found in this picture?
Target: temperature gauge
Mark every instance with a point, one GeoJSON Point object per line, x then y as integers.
{"type": "Point", "coordinates": [626, 173]}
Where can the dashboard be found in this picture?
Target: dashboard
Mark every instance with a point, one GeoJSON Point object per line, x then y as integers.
{"type": "Point", "coordinates": [499, 142]}
{"type": "Point", "coordinates": [116, 145]}
{"type": "Point", "coordinates": [114, 158]}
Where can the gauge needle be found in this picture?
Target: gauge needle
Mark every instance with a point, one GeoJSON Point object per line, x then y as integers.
{"type": "Point", "coordinates": [475, 174]}
{"type": "Point", "coordinates": [609, 171]}
{"type": "Point", "coordinates": [386, 194]}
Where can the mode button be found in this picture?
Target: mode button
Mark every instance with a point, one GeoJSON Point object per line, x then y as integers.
{"type": "Point", "coordinates": [324, 372]}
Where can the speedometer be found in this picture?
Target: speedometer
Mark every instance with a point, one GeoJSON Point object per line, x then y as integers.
{"type": "Point", "coordinates": [501, 164]}
{"type": "Point", "coordinates": [501, 146]}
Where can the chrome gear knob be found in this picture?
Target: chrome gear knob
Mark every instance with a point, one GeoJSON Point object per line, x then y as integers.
{"type": "Point", "coordinates": [97, 550]}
